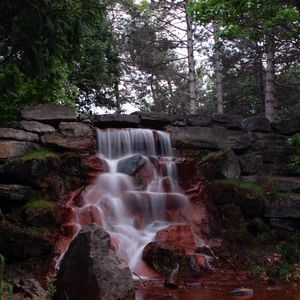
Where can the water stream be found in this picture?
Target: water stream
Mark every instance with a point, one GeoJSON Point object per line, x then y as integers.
{"type": "Point", "coordinates": [132, 199]}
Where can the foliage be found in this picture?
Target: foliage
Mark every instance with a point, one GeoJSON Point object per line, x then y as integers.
{"type": "Point", "coordinates": [42, 43]}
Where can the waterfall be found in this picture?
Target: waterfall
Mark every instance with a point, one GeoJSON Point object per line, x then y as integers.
{"type": "Point", "coordinates": [137, 196]}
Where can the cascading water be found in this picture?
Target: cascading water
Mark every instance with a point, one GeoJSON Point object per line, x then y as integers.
{"type": "Point", "coordinates": [137, 196]}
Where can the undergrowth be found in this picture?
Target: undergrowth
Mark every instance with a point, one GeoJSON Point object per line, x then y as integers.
{"type": "Point", "coordinates": [39, 154]}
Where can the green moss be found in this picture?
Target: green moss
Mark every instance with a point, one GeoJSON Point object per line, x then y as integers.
{"type": "Point", "coordinates": [37, 203]}
{"type": "Point", "coordinates": [214, 156]}
{"type": "Point", "coordinates": [39, 154]}
{"type": "Point", "coordinates": [250, 187]}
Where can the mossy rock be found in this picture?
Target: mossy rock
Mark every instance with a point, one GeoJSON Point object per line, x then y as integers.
{"type": "Point", "coordinates": [249, 197]}
{"type": "Point", "coordinates": [40, 212]}
{"type": "Point", "coordinates": [19, 242]}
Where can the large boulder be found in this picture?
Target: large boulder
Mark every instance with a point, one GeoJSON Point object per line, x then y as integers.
{"type": "Point", "coordinates": [116, 121]}
{"type": "Point", "coordinates": [229, 167]}
{"type": "Point", "coordinates": [284, 206]}
{"type": "Point", "coordinates": [13, 149]}
{"type": "Point", "coordinates": [35, 126]}
{"type": "Point", "coordinates": [90, 270]}
{"type": "Point", "coordinates": [194, 137]}
{"type": "Point", "coordinates": [50, 114]}
{"type": "Point", "coordinates": [156, 119]}
{"type": "Point", "coordinates": [76, 129]}
{"type": "Point", "coordinates": [131, 164]}
{"type": "Point", "coordinates": [256, 124]}
{"type": "Point", "coordinates": [250, 163]}
{"type": "Point", "coordinates": [199, 120]}
{"type": "Point", "coordinates": [62, 141]}
{"type": "Point", "coordinates": [289, 126]}
{"type": "Point", "coordinates": [228, 120]}
{"type": "Point", "coordinates": [19, 135]}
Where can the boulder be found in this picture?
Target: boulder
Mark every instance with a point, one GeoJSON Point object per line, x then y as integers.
{"type": "Point", "coordinates": [116, 121]}
{"type": "Point", "coordinates": [156, 119]}
{"type": "Point", "coordinates": [90, 270]}
{"type": "Point", "coordinates": [284, 206]}
{"type": "Point", "coordinates": [286, 184]}
{"type": "Point", "coordinates": [288, 127]}
{"type": "Point", "coordinates": [18, 242]}
{"type": "Point", "coordinates": [180, 235]}
{"type": "Point", "coordinates": [131, 164]}
{"type": "Point", "coordinates": [49, 114]}
{"type": "Point", "coordinates": [60, 140]}
{"type": "Point", "coordinates": [13, 149]}
{"type": "Point", "coordinates": [76, 129]}
{"type": "Point", "coordinates": [28, 289]}
{"type": "Point", "coordinates": [14, 192]}
{"type": "Point", "coordinates": [286, 224]}
{"type": "Point", "coordinates": [229, 167]}
{"type": "Point", "coordinates": [227, 120]}
{"type": "Point", "coordinates": [163, 257]}
{"type": "Point", "coordinates": [36, 127]}
{"type": "Point", "coordinates": [18, 135]}
{"type": "Point", "coordinates": [198, 120]}
{"type": "Point", "coordinates": [250, 164]}
{"type": "Point", "coordinates": [194, 137]}
{"type": "Point", "coordinates": [256, 124]}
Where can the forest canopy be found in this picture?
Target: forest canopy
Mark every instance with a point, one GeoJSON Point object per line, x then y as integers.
{"type": "Point", "coordinates": [181, 56]}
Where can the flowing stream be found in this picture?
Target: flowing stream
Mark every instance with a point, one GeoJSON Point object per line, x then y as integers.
{"type": "Point", "coordinates": [133, 198]}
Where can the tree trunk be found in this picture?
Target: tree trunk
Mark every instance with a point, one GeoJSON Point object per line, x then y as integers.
{"type": "Point", "coordinates": [191, 60]}
{"type": "Point", "coordinates": [217, 64]}
{"type": "Point", "coordinates": [271, 105]}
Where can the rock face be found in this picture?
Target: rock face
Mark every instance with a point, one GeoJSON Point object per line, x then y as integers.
{"type": "Point", "coordinates": [19, 135]}
{"type": "Point", "coordinates": [209, 138]}
{"type": "Point", "coordinates": [12, 149]}
{"type": "Point", "coordinates": [14, 192]}
{"type": "Point", "coordinates": [250, 163]}
{"type": "Point", "coordinates": [76, 129]}
{"type": "Point", "coordinates": [90, 270]}
{"type": "Point", "coordinates": [37, 127]}
{"type": "Point", "coordinates": [256, 124]}
{"type": "Point", "coordinates": [290, 126]}
{"type": "Point", "coordinates": [49, 114]}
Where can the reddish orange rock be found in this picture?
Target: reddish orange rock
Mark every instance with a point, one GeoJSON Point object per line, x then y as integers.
{"type": "Point", "coordinates": [180, 235]}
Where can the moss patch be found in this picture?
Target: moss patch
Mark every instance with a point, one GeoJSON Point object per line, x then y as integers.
{"type": "Point", "coordinates": [38, 203]}
{"type": "Point", "coordinates": [39, 154]}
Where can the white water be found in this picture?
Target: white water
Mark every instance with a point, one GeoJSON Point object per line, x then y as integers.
{"type": "Point", "coordinates": [132, 213]}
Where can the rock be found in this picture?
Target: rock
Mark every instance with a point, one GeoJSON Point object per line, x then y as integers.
{"type": "Point", "coordinates": [37, 127]}
{"type": "Point", "coordinates": [286, 224]}
{"type": "Point", "coordinates": [288, 127]}
{"type": "Point", "coordinates": [18, 243]}
{"type": "Point", "coordinates": [116, 121]}
{"type": "Point", "coordinates": [14, 192]}
{"type": "Point", "coordinates": [131, 164]}
{"type": "Point", "coordinates": [13, 149]}
{"type": "Point", "coordinates": [209, 138]}
{"type": "Point", "coordinates": [227, 120]}
{"type": "Point", "coordinates": [257, 226]}
{"type": "Point", "coordinates": [198, 120]}
{"type": "Point", "coordinates": [284, 206]}
{"type": "Point", "coordinates": [49, 114]}
{"type": "Point", "coordinates": [67, 142]}
{"type": "Point", "coordinates": [249, 179]}
{"type": "Point", "coordinates": [19, 135]}
{"type": "Point", "coordinates": [162, 257]}
{"type": "Point", "coordinates": [76, 129]}
{"type": "Point", "coordinates": [180, 235]}
{"type": "Point", "coordinates": [250, 163]}
{"type": "Point", "coordinates": [256, 124]}
{"type": "Point", "coordinates": [29, 289]}
{"type": "Point", "coordinates": [240, 292]}
{"type": "Point", "coordinates": [186, 170]}
{"type": "Point", "coordinates": [229, 166]}
{"type": "Point", "coordinates": [173, 279]}
{"type": "Point", "coordinates": [286, 184]}
{"type": "Point", "coordinates": [90, 270]}
{"type": "Point", "coordinates": [156, 119]}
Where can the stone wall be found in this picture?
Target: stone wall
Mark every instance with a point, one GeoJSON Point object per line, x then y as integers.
{"type": "Point", "coordinates": [256, 150]}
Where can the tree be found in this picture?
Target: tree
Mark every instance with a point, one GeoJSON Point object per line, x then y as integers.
{"type": "Point", "coordinates": [259, 21]}
{"type": "Point", "coordinates": [42, 43]}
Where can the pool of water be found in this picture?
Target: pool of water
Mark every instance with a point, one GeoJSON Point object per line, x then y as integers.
{"type": "Point", "coordinates": [206, 294]}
